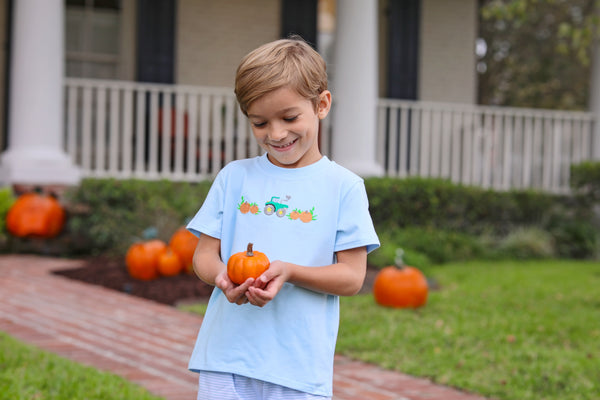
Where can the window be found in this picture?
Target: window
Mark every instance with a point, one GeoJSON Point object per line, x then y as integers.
{"type": "Point", "coordinates": [93, 45]}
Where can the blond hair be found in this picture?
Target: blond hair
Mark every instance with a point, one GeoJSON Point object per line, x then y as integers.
{"type": "Point", "coordinates": [283, 63]}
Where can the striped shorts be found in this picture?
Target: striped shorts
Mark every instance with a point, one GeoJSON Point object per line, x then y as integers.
{"type": "Point", "coordinates": [224, 386]}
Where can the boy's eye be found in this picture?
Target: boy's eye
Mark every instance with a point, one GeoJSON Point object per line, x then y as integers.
{"type": "Point", "coordinates": [290, 119]}
{"type": "Point", "coordinates": [259, 124]}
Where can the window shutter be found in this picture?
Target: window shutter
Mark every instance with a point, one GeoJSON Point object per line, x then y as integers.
{"type": "Point", "coordinates": [156, 41]}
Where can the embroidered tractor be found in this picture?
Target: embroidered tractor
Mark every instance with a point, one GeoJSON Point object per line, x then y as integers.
{"type": "Point", "coordinates": [274, 206]}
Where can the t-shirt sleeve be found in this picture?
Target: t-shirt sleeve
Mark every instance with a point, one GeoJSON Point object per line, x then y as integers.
{"type": "Point", "coordinates": [355, 226]}
{"type": "Point", "coordinates": [209, 219]}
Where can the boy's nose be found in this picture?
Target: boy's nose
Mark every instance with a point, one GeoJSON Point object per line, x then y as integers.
{"type": "Point", "coordinates": [277, 132]}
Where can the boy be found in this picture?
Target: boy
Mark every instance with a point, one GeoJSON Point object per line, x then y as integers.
{"type": "Point", "coordinates": [274, 337]}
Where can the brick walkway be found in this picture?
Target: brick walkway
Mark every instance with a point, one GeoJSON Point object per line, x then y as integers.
{"type": "Point", "coordinates": [146, 342]}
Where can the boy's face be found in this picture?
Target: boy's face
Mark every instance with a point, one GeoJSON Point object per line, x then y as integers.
{"type": "Point", "coordinates": [286, 126]}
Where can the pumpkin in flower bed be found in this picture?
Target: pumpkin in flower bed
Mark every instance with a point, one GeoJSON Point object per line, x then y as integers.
{"type": "Point", "coordinates": [142, 258]}
{"type": "Point", "coordinates": [400, 286]}
{"type": "Point", "coordinates": [37, 215]}
{"type": "Point", "coordinates": [169, 263]}
{"type": "Point", "coordinates": [183, 243]}
{"type": "Point", "coordinates": [246, 264]}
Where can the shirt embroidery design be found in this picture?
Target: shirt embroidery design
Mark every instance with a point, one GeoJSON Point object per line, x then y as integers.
{"type": "Point", "coordinates": [278, 206]}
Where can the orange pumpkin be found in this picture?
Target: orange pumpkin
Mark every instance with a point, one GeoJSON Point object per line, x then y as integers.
{"type": "Point", "coordinates": [169, 263]}
{"type": "Point", "coordinates": [246, 264]}
{"type": "Point", "coordinates": [306, 216]}
{"type": "Point", "coordinates": [245, 207]}
{"type": "Point", "coordinates": [141, 259]}
{"type": "Point", "coordinates": [37, 215]}
{"type": "Point", "coordinates": [400, 286]}
{"type": "Point", "coordinates": [183, 243]}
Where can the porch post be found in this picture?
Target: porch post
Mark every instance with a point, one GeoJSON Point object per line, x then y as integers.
{"type": "Point", "coordinates": [35, 153]}
{"type": "Point", "coordinates": [354, 87]}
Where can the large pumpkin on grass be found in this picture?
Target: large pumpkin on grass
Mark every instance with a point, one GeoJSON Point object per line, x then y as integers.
{"type": "Point", "coordinates": [183, 243]}
{"type": "Point", "coordinates": [37, 215]}
{"type": "Point", "coordinates": [142, 258]}
{"type": "Point", "coordinates": [400, 286]}
{"type": "Point", "coordinates": [246, 264]}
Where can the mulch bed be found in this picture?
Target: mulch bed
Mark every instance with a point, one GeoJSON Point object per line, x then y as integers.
{"type": "Point", "coordinates": [112, 274]}
{"type": "Point", "coordinates": [184, 288]}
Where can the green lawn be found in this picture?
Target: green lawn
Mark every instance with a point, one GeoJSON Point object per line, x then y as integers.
{"type": "Point", "coordinates": [510, 330]}
{"type": "Point", "coordinates": [28, 373]}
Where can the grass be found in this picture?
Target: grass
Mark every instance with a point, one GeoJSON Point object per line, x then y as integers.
{"type": "Point", "coordinates": [29, 373]}
{"type": "Point", "coordinates": [508, 330]}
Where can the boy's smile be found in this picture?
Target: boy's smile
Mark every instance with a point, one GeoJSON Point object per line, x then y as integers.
{"type": "Point", "coordinates": [286, 126]}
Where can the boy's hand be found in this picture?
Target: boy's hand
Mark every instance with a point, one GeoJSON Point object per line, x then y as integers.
{"type": "Point", "coordinates": [266, 286]}
{"type": "Point", "coordinates": [234, 293]}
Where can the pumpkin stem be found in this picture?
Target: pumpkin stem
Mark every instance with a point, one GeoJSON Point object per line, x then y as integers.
{"type": "Point", "coordinates": [398, 260]}
{"type": "Point", "coordinates": [150, 233]}
{"type": "Point", "coordinates": [249, 251]}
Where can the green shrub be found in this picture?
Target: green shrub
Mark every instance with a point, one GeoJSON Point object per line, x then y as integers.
{"type": "Point", "coordinates": [527, 243]}
{"type": "Point", "coordinates": [442, 246]}
{"type": "Point", "coordinates": [585, 179]}
{"type": "Point", "coordinates": [424, 246]}
{"type": "Point", "coordinates": [433, 220]}
{"type": "Point", "coordinates": [576, 239]}
{"type": "Point", "coordinates": [386, 254]}
{"type": "Point", "coordinates": [441, 204]}
{"type": "Point", "coordinates": [7, 199]}
{"type": "Point", "coordinates": [107, 215]}
{"type": "Point", "coordinates": [585, 182]}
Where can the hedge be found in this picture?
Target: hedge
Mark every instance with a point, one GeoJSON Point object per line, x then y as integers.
{"type": "Point", "coordinates": [438, 203]}
{"type": "Point", "coordinates": [435, 218]}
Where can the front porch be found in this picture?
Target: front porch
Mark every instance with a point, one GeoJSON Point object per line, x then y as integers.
{"type": "Point", "coordinates": [120, 129]}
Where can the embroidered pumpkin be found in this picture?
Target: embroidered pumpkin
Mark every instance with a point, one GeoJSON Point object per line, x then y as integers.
{"type": "Point", "coordinates": [183, 243]}
{"type": "Point", "coordinates": [245, 207]}
{"type": "Point", "coordinates": [35, 214]}
{"type": "Point", "coordinates": [141, 259]}
{"type": "Point", "coordinates": [246, 264]}
{"type": "Point", "coordinates": [400, 286]}
{"type": "Point", "coordinates": [169, 263]}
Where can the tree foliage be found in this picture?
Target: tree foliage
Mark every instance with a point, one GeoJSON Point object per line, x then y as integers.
{"type": "Point", "coordinates": [538, 52]}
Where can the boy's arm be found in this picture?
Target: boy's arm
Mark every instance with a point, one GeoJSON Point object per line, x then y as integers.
{"type": "Point", "coordinates": [344, 278]}
{"type": "Point", "coordinates": [209, 267]}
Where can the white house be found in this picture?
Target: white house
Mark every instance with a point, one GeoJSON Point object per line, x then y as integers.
{"type": "Point", "coordinates": [200, 42]}
{"type": "Point", "coordinates": [420, 51]}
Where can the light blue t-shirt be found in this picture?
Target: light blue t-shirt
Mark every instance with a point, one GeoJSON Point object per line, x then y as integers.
{"type": "Point", "coordinates": [303, 216]}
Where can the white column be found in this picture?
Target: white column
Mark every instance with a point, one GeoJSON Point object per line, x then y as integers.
{"type": "Point", "coordinates": [35, 153]}
{"type": "Point", "coordinates": [354, 87]}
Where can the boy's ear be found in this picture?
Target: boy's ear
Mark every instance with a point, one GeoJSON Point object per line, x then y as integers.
{"type": "Point", "coordinates": [324, 104]}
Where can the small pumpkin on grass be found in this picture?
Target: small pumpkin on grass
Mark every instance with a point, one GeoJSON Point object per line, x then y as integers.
{"type": "Point", "coordinates": [246, 264]}
{"type": "Point", "coordinates": [400, 286]}
{"type": "Point", "coordinates": [37, 215]}
{"type": "Point", "coordinates": [142, 258]}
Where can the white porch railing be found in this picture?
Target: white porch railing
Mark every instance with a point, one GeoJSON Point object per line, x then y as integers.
{"type": "Point", "coordinates": [149, 131]}
{"type": "Point", "coordinates": [495, 147]}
